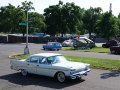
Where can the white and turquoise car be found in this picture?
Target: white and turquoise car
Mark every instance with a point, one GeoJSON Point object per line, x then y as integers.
{"type": "Point", "coordinates": [52, 65]}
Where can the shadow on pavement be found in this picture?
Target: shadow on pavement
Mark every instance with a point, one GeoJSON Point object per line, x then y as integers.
{"type": "Point", "coordinates": [110, 74]}
{"type": "Point", "coordinates": [38, 80]}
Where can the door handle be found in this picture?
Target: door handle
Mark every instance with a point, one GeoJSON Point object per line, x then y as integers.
{"type": "Point", "coordinates": [28, 64]}
{"type": "Point", "coordinates": [37, 65]}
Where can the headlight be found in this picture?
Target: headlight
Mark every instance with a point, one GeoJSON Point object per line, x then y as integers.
{"type": "Point", "coordinates": [87, 66]}
{"type": "Point", "coordinates": [72, 71]}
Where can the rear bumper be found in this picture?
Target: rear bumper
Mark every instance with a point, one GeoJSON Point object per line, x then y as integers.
{"type": "Point", "coordinates": [79, 74]}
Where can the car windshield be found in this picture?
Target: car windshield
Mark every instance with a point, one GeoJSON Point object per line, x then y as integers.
{"type": "Point", "coordinates": [53, 43]}
{"type": "Point", "coordinates": [56, 59]}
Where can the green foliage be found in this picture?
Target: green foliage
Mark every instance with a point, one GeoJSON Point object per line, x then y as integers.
{"type": "Point", "coordinates": [63, 18]}
{"type": "Point", "coordinates": [108, 26]}
{"type": "Point", "coordinates": [118, 24]}
{"type": "Point", "coordinates": [36, 22]}
{"type": "Point", "coordinates": [6, 18]}
{"type": "Point", "coordinates": [90, 19]}
{"type": "Point", "coordinates": [60, 19]}
{"type": "Point", "coordinates": [29, 4]}
{"type": "Point", "coordinates": [11, 16]}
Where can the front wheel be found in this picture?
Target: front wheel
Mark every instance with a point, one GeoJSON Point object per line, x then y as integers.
{"type": "Point", "coordinates": [113, 52]}
{"type": "Point", "coordinates": [57, 49]}
{"type": "Point", "coordinates": [61, 77]}
{"type": "Point", "coordinates": [24, 72]}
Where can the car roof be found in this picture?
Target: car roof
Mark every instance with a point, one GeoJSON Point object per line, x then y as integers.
{"type": "Point", "coordinates": [86, 38]}
{"type": "Point", "coordinates": [53, 42]}
{"type": "Point", "coordinates": [46, 54]}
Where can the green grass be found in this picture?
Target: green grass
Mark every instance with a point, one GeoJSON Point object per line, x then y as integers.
{"type": "Point", "coordinates": [94, 62]}
{"type": "Point", "coordinates": [21, 56]}
{"type": "Point", "coordinates": [95, 49]}
{"type": "Point", "coordinates": [98, 63]}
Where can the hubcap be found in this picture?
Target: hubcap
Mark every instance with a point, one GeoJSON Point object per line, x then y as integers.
{"type": "Point", "coordinates": [24, 73]}
{"type": "Point", "coordinates": [113, 52]}
{"type": "Point", "coordinates": [61, 77]}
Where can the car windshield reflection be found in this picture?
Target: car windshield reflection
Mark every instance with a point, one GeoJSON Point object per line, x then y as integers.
{"type": "Point", "coordinates": [56, 59]}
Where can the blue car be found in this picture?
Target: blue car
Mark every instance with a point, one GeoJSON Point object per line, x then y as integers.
{"type": "Point", "coordinates": [52, 46]}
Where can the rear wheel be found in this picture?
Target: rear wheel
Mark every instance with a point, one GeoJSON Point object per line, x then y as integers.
{"type": "Point", "coordinates": [61, 77]}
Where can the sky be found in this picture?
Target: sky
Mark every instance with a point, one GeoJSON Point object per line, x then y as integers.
{"type": "Point", "coordinates": [40, 5]}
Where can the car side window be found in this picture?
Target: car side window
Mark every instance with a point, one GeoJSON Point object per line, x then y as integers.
{"type": "Point", "coordinates": [55, 44]}
{"type": "Point", "coordinates": [33, 59]}
{"type": "Point", "coordinates": [42, 61]}
{"type": "Point", "coordinates": [50, 60]}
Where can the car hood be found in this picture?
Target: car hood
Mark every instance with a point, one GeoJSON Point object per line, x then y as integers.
{"type": "Point", "coordinates": [72, 65]}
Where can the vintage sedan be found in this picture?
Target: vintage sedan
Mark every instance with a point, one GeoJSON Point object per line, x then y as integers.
{"type": "Point", "coordinates": [52, 65]}
{"type": "Point", "coordinates": [52, 46]}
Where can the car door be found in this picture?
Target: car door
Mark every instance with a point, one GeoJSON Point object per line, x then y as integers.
{"type": "Point", "coordinates": [45, 68]}
{"type": "Point", "coordinates": [32, 63]}
{"type": "Point", "coordinates": [57, 46]}
{"type": "Point", "coordinates": [49, 45]}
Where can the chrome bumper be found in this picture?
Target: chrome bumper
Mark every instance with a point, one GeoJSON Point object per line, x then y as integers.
{"type": "Point", "coordinates": [79, 74]}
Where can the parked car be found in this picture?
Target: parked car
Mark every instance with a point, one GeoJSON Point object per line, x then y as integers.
{"type": "Point", "coordinates": [52, 65]}
{"type": "Point", "coordinates": [83, 42]}
{"type": "Point", "coordinates": [115, 49]}
{"type": "Point", "coordinates": [52, 46]}
{"type": "Point", "coordinates": [106, 45]}
{"type": "Point", "coordinates": [110, 43]}
{"type": "Point", "coordinates": [67, 43]}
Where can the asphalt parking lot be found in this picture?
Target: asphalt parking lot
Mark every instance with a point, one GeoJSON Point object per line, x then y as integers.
{"type": "Point", "coordinates": [12, 80]}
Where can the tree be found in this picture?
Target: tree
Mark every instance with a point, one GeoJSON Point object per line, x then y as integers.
{"type": "Point", "coordinates": [6, 24]}
{"type": "Point", "coordinates": [62, 18]}
{"type": "Point", "coordinates": [9, 18]}
{"type": "Point", "coordinates": [36, 22]}
{"type": "Point", "coordinates": [108, 26]}
{"type": "Point", "coordinates": [118, 32]}
{"type": "Point", "coordinates": [90, 19]}
{"type": "Point", "coordinates": [25, 5]}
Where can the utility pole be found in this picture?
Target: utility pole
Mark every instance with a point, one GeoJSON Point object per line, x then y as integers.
{"type": "Point", "coordinates": [26, 49]}
{"type": "Point", "coordinates": [110, 9]}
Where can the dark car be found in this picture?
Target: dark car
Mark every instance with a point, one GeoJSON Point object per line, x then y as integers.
{"type": "Point", "coordinates": [110, 43]}
{"type": "Point", "coordinates": [52, 46]}
{"type": "Point", "coordinates": [115, 49]}
{"type": "Point", "coordinates": [83, 43]}
{"type": "Point", "coordinates": [106, 45]}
